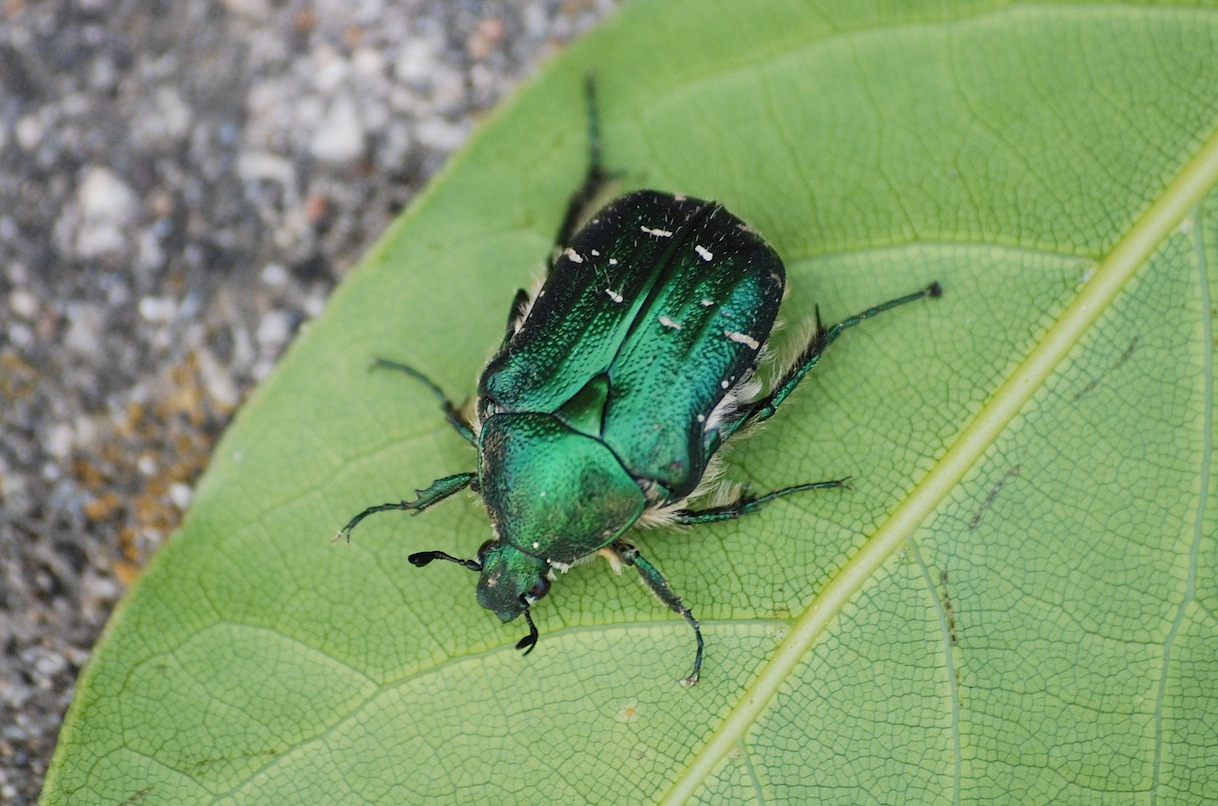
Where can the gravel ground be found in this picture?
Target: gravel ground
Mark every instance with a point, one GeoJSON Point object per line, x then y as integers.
{"type": "Point", "coordinates": [182, 182]}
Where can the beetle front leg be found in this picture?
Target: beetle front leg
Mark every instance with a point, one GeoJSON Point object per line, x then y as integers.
{"type": "Point", "coordinates": [451, 413]}
{"type": "Point", "coordinates": [438, 491]}
{"type": "Point", "coordinates": [748, 503]}
{"type": "Point", "coordinates": [660, 587]}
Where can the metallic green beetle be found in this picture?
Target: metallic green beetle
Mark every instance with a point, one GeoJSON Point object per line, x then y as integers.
{"type": "Point", "coordinates": [612, 391]}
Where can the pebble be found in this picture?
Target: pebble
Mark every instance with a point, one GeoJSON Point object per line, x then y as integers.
{"type": "Point", "coordinates": [106, 204]}
{"type": "Point", "coordinates": [104, 198]}
{"type": "Point", "coordinates": [340, 138]}
{"type": "Point", "coordinates": [29, 132]}
{"type": "Point", "coordinates": [273, 331]}
{"type": "Point", "coordinates": [158, 310]}
{"type": "Point", "coordinates": [23, 303]}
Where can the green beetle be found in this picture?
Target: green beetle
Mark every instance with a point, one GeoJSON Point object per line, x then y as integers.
{"type": "Point", "coordinates": [613, 389]}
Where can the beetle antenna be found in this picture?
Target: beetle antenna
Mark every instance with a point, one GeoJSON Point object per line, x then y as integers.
{"type": "Point", "coordinates": [422, 558]}
{"type": "Point", "coordinates": [529, 641]}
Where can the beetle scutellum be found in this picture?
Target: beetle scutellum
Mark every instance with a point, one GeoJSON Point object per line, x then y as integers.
{"type": "Point", "coordinates": [613, 389]}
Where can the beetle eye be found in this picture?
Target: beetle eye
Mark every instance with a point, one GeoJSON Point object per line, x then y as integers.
{"type": "Point", "coordinates": [484, 548]}
{"type": "Point", "coordinates": [540, 588]}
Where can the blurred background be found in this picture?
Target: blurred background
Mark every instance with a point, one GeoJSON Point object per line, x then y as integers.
{"type": "Point", "coordinates": [182, 183]}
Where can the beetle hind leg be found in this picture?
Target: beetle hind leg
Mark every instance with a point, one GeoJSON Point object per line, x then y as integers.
{"type": "Point", "coordinates": [748, 503]}
{"type": "Point", "coordinates": [654, 580]}
{"type": "Point", "coordinates": [764, 409]}
{"type": "Point", "coordinates": [594, 180]}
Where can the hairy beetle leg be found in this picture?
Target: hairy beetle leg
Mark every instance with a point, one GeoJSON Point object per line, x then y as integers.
{"type": "Point", "coordinates": [660, 587]}
{"type": "Point", "coordinates": [764, 408]}
{"type": "Point", "coordinates": [438, 491]}
{"type": "Point", "coordinates": [451, 413]}
{"type": "Point", "coordinates": [747, 503]}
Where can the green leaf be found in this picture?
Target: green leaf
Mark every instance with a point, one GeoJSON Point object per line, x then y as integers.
{"type": "Point", "coordinates": [1017, 600]}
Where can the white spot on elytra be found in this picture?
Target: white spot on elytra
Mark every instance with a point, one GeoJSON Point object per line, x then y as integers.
{"type": "Point", "coordinates": [706, 303]}
{"type": "Point", "coordinates": [536, 544]}
{"type": "Point", "coordinates": [703, 252]}
{"type": "Point", "coordinates": [742, 338]}
{"type": "Point", "coordinates": [666, 322]}
{"type": "Point", "coordinates": [724, 384]}
{"type": "Point", "coordinates": [701, 418]}
{"type": "Point", "coordinates": [656, 231]}
{"type": "Point", "coordinates": [613, 295]}
{"type": "Point", "coordinates": [595, 253]}
{"type": "Point", "coordinates": [612, 261]}
{"type": "Point", "coordinates": [573, 256]}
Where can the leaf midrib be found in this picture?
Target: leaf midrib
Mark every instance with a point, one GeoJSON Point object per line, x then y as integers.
{"type": "Point", "coordinates": [1158, 221]}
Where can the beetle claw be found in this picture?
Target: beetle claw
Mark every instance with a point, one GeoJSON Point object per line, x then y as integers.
{"type": "Point", "coordinates": [529, 641]}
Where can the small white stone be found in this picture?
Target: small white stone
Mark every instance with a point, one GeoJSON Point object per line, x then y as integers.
{"type": "Point", "coordinates": [340, 138]}
{"type": "Point", "coordinates": [85, 326]}
{"type": "Point", "coordinates": [274, 275]}
{"type": "Point", "coordinates": [104, 198]}
{"type": "Point", "coordinates": [29, 132]}
{"type": "Point", "coordinates": [23, 303]}
{"type": "Point", "coordinates": [440, 134]}
{"type": "Point", "coordinates": [368, 61]}
{"type": "Point", "coordinates": [158, 310]}
{"type": "Point", "coordinates": [260, 166]}
{"type": "Point", "coordinates": [274, 330]}
{"type": "Point", "coordinates": [416, 61]}
{"type": "Point", "coordinates": [59, 440]}
{"type": "Point", "coordinates": [179, 494]}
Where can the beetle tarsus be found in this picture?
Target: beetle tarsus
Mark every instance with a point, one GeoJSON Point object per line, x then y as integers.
{"type": "Point", "coordinates": [422, 558]}
{"type": "Point", "coordinates": [652, 577]}
{"type": "Point", "coordinates": [529, 641]}
{"type": "Point", "coordinates": [692, 680]}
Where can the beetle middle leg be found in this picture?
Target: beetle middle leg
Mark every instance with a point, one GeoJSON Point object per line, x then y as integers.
{"type": "Point", "coordinates": [660, 587]}
{"type": "Point", "coordinates": [748, 503]}
{"type": "Point", "coordinates": [451, 413]}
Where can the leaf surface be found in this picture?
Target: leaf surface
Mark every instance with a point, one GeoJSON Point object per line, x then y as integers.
{"type": "Point", "coordinates": [1015, 602]}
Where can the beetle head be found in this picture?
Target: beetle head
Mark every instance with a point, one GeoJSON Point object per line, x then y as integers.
{"type": "Point", "coordinates": [511, 580]}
